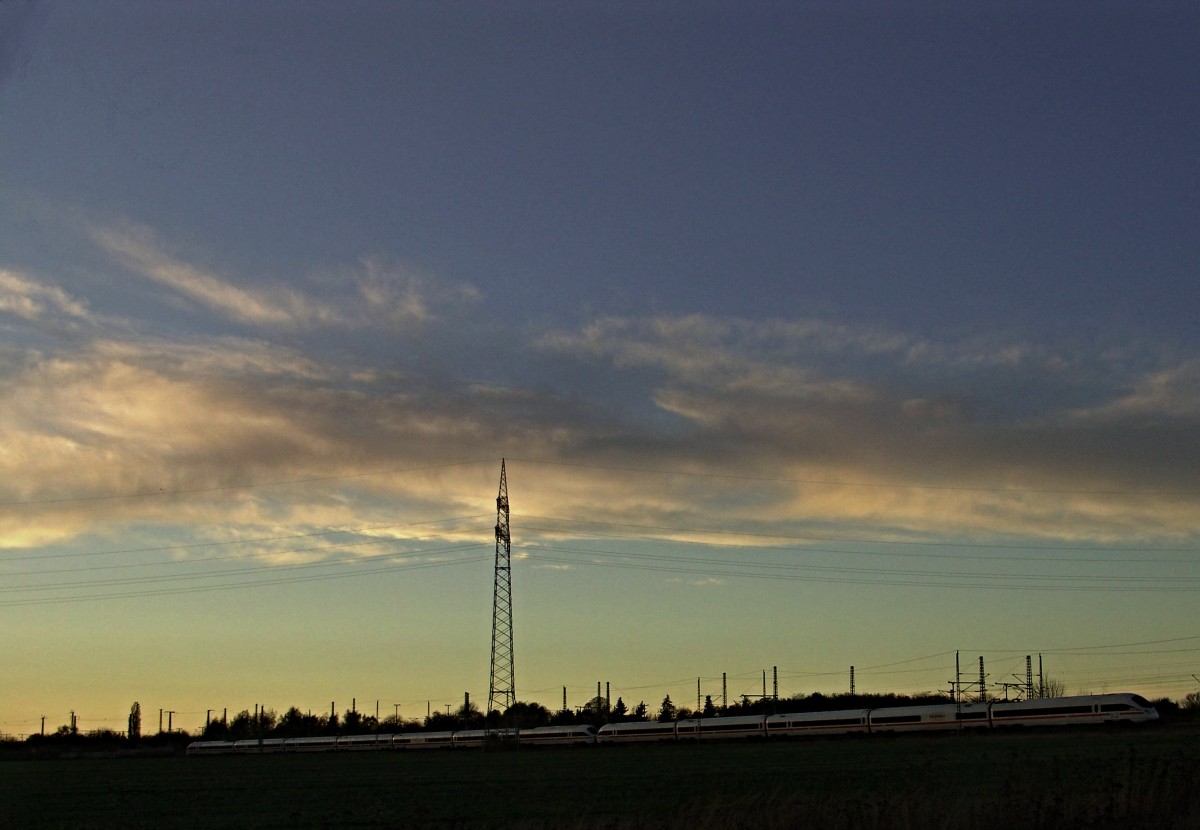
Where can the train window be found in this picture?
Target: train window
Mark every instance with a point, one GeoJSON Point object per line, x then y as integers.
{"type": "Point", "coordinates": [1040, 711]}
{"type": "Point", "coordinates": [661, 730]}
{"type": "Point", "coordinates": [897, 719]}
{"type": "Point", "coordinates": [1117, 707]}
{"type": "Point", "coordinates": [830, 722]}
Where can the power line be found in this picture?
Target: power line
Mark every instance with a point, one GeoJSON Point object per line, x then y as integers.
{"type": "Point", "coordinates": [841, 569]}
{"type": "Point", "coordinates": [238, 541]}
{"type": "Point", "coordinates": [137, 580]}
{"type": "Point", "coordinates": [880, 484]}
{"type": "Point", "coordinates": [147, 494]}
{"type": "Point", "coordinates": [232, 586]}
{"type": "Point", "coordinates": [1068, 649]}
{"type": "Point", "coordinates": [918, 583]}
{"type": "Point", "coordinates": [860, 540]}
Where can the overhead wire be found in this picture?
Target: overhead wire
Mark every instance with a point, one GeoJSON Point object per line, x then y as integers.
{"type": "Point", "coordinates": [720, 568]}
{"type": "Point", "coordinates": [235, 585]}
{"type": "Point", "coordinates": [323, 563]}
{"type": "Point", "coordinates": [247, 555]}
{"type": "Point", "coordinates": [840, 483]}
{"type": "Point", "coordinates": [161, 492]}
{"type": "Point", "coordinates": [860, 540]}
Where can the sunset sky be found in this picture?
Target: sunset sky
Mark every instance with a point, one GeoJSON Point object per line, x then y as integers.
{"type": "Point", "coordinates": [813, 334]}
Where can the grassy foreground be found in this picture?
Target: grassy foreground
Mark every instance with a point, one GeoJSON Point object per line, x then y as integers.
{"type": "Point", "coordinates": [1101, 779]}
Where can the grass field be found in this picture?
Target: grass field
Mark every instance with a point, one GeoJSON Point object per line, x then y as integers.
{"type": "Point", "coordinates": [1102, 779]}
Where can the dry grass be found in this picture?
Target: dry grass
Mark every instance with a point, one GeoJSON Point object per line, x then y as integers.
{"type": "Point", "coordinates": [1143, 778]}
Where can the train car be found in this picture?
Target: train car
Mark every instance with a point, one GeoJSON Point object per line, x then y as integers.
{"type": "Point", "coordinates": [322, 743]}
{"type": "Point", "coordinates": [468, 738]}
{"type": "Point", "coordinates": [973, 715]}
{"type": "Point", "coordinates": [361, 742]}
{"type": "Point", "coordinates": [557, 735]}
{"type": "Point", "coordinates": [210, 748]}
{"type": "Point", "coordinates": [934, 718]}
{"type": "Point", "coordinates": [635, 732]}
{"type": "Point", "coordinates": [258, 745]}
{"type": "Point", "coordinates": [422, 740]}
{"type": "Point", "coordinates": [846, 721]}
{"type": "Point", "coordinates": [750, 726]}
{"type": "Point", "coordinates": [1067, 711]}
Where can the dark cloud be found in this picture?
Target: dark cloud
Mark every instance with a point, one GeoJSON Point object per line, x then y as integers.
{"type": "Point", "coordinates": [823, 421]}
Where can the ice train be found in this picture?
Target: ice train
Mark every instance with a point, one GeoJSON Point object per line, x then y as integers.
{"type": "Point", "coordinates": [997, 714]}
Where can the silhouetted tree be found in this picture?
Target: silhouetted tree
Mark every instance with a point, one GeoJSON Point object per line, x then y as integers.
{"type": "Point", "coordinates": [135, 721]}
{"type": "Point", "coordinates": [595, 711]}
{"type": "Point", "coordinates": [523, 715]}
{"type": "Point", "coordinates": [216, 731]}
{"type": "Point", "coordinates": [1169, 711]}
{"type": "Point", "coordinates": [469, 717]}
{"type": "Point", "coordinates": [242, 726]}
{"type": "Point", "coordinates": [296, 724]}
{"type": "Point", "coordinates": [1191, 703]}
{"type": "Point", "coordinates": [392, 723]}
{"type": "Point", "coordinates": [666, 712]}
{"type": "Point", "coordinates": [442, 722]}
{"type": "Point", "coordinates": [640, 712]}
{"type": "Point", "coordinates": [620, 711]}
{"type": "Point", "coordinates": [267, 719]}
{"type": "Point", "coordinates": [564, 717]}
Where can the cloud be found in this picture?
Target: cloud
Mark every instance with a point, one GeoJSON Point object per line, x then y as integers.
{"type": "Point", "coordinates": [765, 428]}
{"type": "Point", "coordinates": [399, 296]}
{"type": "Point", "coordinates": [138, 248]}
{"type": "Point", "coordinates": [30, 300]}
{"type": "Point", "coordinates": [374, 292]}
{"type": "Point", "coordinates": [84, 430]}
{"type": "Point", "coordinates": [1169, 393]}
{"type": "Point", "coordinates": [908, 435]}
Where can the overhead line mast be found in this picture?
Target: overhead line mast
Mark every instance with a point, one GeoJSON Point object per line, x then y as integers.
{"type": "Point", "coordinates": [502, 685]}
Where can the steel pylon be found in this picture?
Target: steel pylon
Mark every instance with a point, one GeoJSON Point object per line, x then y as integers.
{"type": "Point", "coordinates": [502, 689]}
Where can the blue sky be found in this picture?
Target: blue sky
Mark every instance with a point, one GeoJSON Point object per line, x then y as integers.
{"type": "Point", "coordinates": [814, 334]}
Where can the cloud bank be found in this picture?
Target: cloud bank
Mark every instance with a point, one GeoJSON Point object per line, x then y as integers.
{"type": "Point", "coordinates": [778, 425]}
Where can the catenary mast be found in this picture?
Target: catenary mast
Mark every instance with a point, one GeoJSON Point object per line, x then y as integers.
{"type": "Point", "coordinates": [502, 685]}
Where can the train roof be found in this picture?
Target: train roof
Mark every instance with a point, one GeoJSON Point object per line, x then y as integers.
{"type": "Point", "coordinates": [636, 726]}
{"type": "Point", "coordinates": [559, 730]}
{"type": "Point", "coordinates": [821, 715]}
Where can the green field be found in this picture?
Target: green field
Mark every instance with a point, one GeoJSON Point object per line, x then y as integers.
{"type": "Point", "coordinates": [1102, 779]}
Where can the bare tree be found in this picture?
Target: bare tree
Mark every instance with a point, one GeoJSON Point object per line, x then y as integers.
{"type": "Point", "coordinates": [1052, 687]}
{"type": "Point", "coordinates": [1191, 702]}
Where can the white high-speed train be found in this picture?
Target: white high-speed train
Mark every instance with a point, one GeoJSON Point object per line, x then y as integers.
{"type": "Point", "coordinates": [1058, 711]}
{"type": "Point", "coordinates": [540, 736]}
{"type": "Point", "coordinates": [997, 714]}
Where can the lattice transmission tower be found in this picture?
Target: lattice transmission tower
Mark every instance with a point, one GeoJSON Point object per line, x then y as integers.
{"type": "Point", "coordinates": [502, 688]}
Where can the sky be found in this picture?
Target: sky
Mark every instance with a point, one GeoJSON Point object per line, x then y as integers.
{"type": "Point", "coordinates": [812, 335]}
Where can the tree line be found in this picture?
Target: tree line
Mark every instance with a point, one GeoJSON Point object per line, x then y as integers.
{"type": "Point", "coordinates": [596, 712]}
{"type": "Point", "coordinates": [293, 723]}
